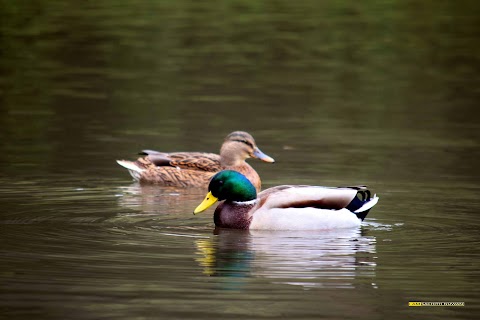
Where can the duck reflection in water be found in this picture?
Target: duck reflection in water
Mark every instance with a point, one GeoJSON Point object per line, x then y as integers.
{"type": "Point", "coordinates": [152, 200]}
{"type": "Point", "coordinates": [335, 259]}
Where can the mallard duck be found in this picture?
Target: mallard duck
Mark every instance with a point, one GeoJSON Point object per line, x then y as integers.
{"type": "Point", "coordinates": [194, 169]}
{"type": "Point", "coordinates": [287, 207]}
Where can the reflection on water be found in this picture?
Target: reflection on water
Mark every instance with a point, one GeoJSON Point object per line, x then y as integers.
{"type": "Point", "coordinates": [336, 258]}
{"type": "Point", "coordinates": [153, 199]}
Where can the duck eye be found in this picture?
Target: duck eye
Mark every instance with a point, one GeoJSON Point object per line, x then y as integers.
{"type": "Point", "coordinates": [248, 143]}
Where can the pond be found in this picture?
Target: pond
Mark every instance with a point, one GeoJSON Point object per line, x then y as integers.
{"type": "Point", "coordinates": [384, 94]}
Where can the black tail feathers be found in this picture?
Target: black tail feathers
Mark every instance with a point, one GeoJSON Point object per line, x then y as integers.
{"type": "Point", "coordinates": [362, 197]}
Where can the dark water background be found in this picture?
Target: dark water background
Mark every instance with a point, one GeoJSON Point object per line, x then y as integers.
{"type": "Point", "coordinates": [338, 92]}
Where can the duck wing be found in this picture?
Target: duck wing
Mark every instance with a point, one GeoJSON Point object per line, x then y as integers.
{"type": "Point", "coordinates": [283, 197]}
{"type": "Point", "coordinates": [209, 162]}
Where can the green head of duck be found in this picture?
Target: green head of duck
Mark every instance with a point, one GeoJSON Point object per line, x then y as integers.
{"type": "Point", "coordinates": [228, 185]}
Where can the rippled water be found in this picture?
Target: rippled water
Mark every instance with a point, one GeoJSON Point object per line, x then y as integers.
{"type": "Point", "coordinates": [125, 251]}
{"type": "Point", "coordinates": [338, 93]}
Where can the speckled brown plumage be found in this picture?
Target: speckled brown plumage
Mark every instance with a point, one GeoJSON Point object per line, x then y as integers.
{"type": "Point", "coordinates": [184, 170]}
{"type": "Point", "coordinates": [194, 169]}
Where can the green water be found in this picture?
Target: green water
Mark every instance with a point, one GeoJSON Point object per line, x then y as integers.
{"type": "Point", "coordinates": [339, 93]}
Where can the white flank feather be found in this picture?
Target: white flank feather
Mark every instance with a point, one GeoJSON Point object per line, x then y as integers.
{"type": "Point", "coordinates": [132, 168]}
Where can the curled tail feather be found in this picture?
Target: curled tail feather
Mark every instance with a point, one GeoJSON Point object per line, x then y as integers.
{"type": "Point", "coordinates": [361, 207]}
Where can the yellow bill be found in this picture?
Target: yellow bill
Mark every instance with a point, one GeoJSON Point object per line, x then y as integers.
{"type": "Point", "coordinates": [206, 203]}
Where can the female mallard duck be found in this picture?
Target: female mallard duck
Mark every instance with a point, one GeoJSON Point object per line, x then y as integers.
{"type": "Point", "coordinates": [194, 169]}
{"type": "Point", "coordinates": [284, 207]}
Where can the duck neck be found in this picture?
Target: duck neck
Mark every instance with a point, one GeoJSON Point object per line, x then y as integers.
{"type": "Point", "coordinates": [230, 156]}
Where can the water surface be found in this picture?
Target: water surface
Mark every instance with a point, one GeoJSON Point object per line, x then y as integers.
{"type": "Point", "coordinates": [338, 93]}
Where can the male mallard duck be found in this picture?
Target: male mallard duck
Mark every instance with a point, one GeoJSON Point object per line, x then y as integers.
{"type": "Point", "coordinates": [284, 207]}
{"type": "Point", "coordinates": [194, 169]}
